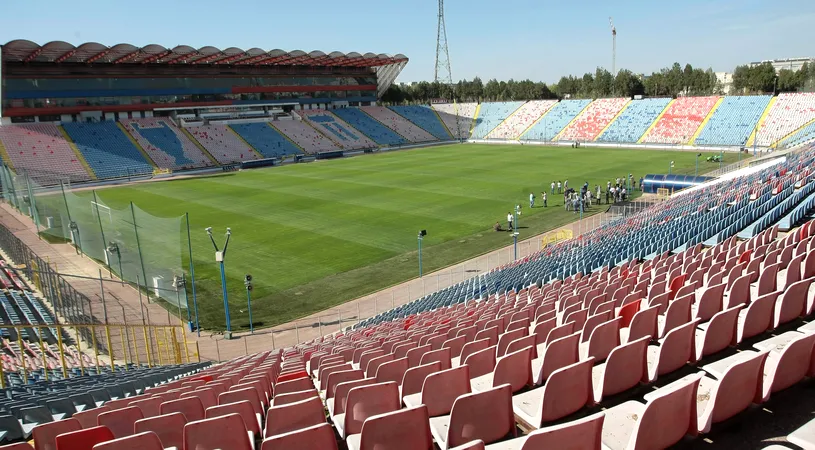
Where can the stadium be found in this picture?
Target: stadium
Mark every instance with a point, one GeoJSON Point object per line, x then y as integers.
{"type": "Point", "coordinates": [206, 248]}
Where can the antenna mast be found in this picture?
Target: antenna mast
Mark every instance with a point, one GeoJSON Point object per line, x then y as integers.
{"type": "Point", "coordinates": [442, 73]}
{"type": "Point", "coordinates": [613, 48]}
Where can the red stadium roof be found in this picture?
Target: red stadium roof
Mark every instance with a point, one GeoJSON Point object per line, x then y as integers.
{"type": "Point", "coordinates": [91, 52]}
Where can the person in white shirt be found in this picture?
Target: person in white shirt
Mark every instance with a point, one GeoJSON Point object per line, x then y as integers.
{"type": "Point", "coordinates": [509, 221]}
{"type": "Point", "coordinates": [543, 199]}
{"type": "Point", "coordinates": [531, 200]}
{"type": "Point", "coordinates": [559, 187]}
{"type": "Point", "coordinates": [553, 188]}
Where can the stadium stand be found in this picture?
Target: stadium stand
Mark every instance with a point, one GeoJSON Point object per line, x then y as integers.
{"type": "Point", "coordinates": [558, 117]}
{"type": "Point", "coordinates": [424, 118]}
{"type": "Point", "coordinates": [265, 139]}
{"type": "Point", "coordinates": [490, 115]}
{"type": "Point", "coordinates": [458, 118]}
{"type": "Point", "coordinates": [805, 135]}
{"type": "Point", "coordinates": [42, 151]}
{"type": "Point", "coordinates": [305, 136]}
{"type": "Point", "coordinates": [634, 121]}
{"type": "Point", "coordinates": [522, 119]}
{"type": "Point", "coordinates": [593, 120]}
{"type": "Point", "coordinates": [679, 123]}
{"type": "Point", "coordinates": [734, 120]}
{"type": "Point", "coordinates": [107, 150]}
{"type": "Point", "coordinates": [336, 129]}
{"type": "Point", "coordinates": [167, 146]}
{"type": "Point", "coordinates": [371, 127]}
{"type": "Point", "coordinates": [398, 124]}
{"type": "Point", "coordinates": [790, 112]}
{"type": "Point", "coordinates": [222, 143]}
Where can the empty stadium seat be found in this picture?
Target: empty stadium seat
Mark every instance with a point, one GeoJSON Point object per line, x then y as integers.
{"type": "Point", "coordinates": [554, 120]}
{"type": "Point", "coordinates": [42, 151]}
{"type": "Point", "coordinates": [166, 144]}
{"type": "Point", "coordinates": [634, 121]}
{"type": "Point", "coordinates": [458, 117]}
{"type": "Point", "coordinates": [734, 120]}
{"type": "Point", "coordinates": [593, 120]}
{"type": "Point", "coordinates": [523, 118]}
{"type": "Point", "coordinates": [681, 120]}
{"type": "Point", "coordinates": [490, 115]}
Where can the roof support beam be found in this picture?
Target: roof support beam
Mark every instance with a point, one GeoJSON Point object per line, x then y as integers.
{"type": "Point", "coordinates": [124, 58]}
{"type": "Point", "coordinates": [65, 56]}
{"type": "Point", "coordinates": [182, 58]}
{"type": "Point", "coordinates": [33, 55]}
{"type": "Point", "coordinates": [157, 57]}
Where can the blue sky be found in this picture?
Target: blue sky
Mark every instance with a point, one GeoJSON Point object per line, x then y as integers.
{"type": "Point", "coordinates": [535, 39]}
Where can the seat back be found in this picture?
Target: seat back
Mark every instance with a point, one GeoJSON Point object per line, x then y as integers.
{"type": "Point", "coordinates": [414, 377]}
{"type": "Point", "coordinates": [567, 390]}
{"type": "Point", "coordinates": [403, 429]}
{"type": "Point", "coordinates": [542, 330]}
{"type": "Point", "coordinates": [373, 364]}
{"type": "Point", "coordinates": [342, 389]}
{"type": "Point", "coordinates": [759, 316]}
{"type": "Point", "coordinates": [490, 333]}
{"type": "Point", "coordinates": [738, 387]}
{"type": "Point", "coordinates": [514, 369]}
{"type": "Point", "coordinates": [294, 416]}
{"type": "Point", "coordinates": [720, 332]}
{"type": "Point", "coordinates": [317, 437]}
{"type": "Point", "coordinates": [141, 441]}
{"type": "Point", "coordinates": [627, 313]}
{"type": "Point", "coordinates": [296, 385]}
{"type": "Point", "coordinates": [710, 302]}
{"type": "Point", "coordinates": [392, 371]}
{"type": "Point", "coordinates": [481, 362]}
{"type": "Point", "coordinates": [336, 378]}
{"type": "Point", "coordinates": [248, 394]}
{"type": "Point", "coordinates": [414, 355]}
{"type": "Point", "coordinates": [767, 281]}
{"type": "Point", "coordinates": [366, 401]}
{"type": "Point", "coordinates": [790, 366]}
{"type": "Point", "coordinates": [559, 353]}
{"type": "Point", "coordinates": [168, 427]}
{"type": "Point", "coordinates": [242, 408]}
{"type": "Point", "coordinates": [83, 439]}
{"type": "Point", "coordinates": [285, 399]}
{"type": "Point", "coordinates": [506, 338]}
{"type": "Point", "coordinates": [442, 355]}
{"type": "Point", "coordinates": [484, 415]}
{"type": "Point", "coordinates": [441, 389]}
{"type": "Point", "coordinates": [191, 407]}
{"type": "Point", "coordinates": [89, 418]}
{"type": "Point", "coordinates": [626, 366]}
{"type": "Point", "coordinates": [327, 370]}
{"type": "Point", "coordinates": [224, 432]}
{"type": "Point", "coordinates": [526, 341]}
{"type": "Point", "coordinates": [149, 407]}
{"type": "Point", "coordinates": [604, 338]}
{"type": "Point", "coordinates": [668, 416]}
{"type": "Point", "coordinates": [120, 421]}
{"type": "Point", "coordinates": [45, 435]}
{"type": "Point", "coordinates": [792, 302]}
{"type": "Point", "coordinates": [472, 347]}
{"type": "Point", "coordinates": [678, 313]}
{"type": "Point", "coordinates": [678, 347]}
{"type": "Point", "coordinates": [585, 433]}
{"type": "Point", "coordinates": [455, 345]}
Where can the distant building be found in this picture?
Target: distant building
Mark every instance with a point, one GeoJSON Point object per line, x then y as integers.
{"type": "Point", "coordinates": [788, 63]}
{"type": "Point", "coordinates": [726, 80]}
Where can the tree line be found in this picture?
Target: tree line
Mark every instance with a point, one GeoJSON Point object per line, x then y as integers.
{"type": "Point", "coordinates": [762, 78]}
{"type": "Point", "coordinates": [670, 81]}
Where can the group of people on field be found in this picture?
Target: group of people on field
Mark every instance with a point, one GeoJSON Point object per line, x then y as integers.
{"type": "Point", "coordinates": [577, 201]}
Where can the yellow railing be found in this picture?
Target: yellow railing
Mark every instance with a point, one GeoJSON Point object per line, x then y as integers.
{"type": "Point", "coordinates": [154, 345]}
{"type": "Point", "coordinates": [553, 237]}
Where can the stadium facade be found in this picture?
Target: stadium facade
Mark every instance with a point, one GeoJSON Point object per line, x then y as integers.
{"type": "Point", "coordinates": [58, 81]}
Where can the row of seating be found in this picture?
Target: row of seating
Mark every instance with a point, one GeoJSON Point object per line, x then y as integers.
{"type": "Point", "coordinates": [399, 124]}
{"type": "Point", "coordinates": [734, 120]}
{"type": "Point", "coordinates": [458, 118]}
{"type": "Point", "coordinates": [266, 139]}
{"type": "Point", "coordinates": [165, 143]}
{"type": "Point", "coordinates": [371, 127]}
{"type": "Point", "coordinates": [805, 135]}
{"type": "Point", "coordinates": [41, 151]}
{"type": "Point", "coordinates": [336, 129]}
{"type": "Point", "coordinates": [522, 119]}
{"type": "Point", "coordinates": [632, 123]}
{"type": "Point", "coordinates": [790, 112]}
{"type": "Point", "coordinates": [424, 118]}
{"type": "Point", "coordinates": [555, 119]}
{"type": "Point", "coordinates": [222, 143]}
{"type": "Point", "coordinates": [594, 119]}
{"type": "Point", "coordinates": [107, 150]}
{"type": "Point", "coordinates": [490, 115]}
{"type": "Point", "coordinates": [305, 136]}
{"type": "Point", "coordinates": [681, 120]}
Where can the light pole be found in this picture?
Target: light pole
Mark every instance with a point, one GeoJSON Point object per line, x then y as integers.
{"type": "Point", "coordinates": [697, 164]}
{"type": "Point", "coordinates": [247, 281]}
{"type": "Point", "coordinates": [721, 158]}
{"type": "Point", "coordinates": [219, 258]}
{"type": "Point", "coordinates": [421, 235]}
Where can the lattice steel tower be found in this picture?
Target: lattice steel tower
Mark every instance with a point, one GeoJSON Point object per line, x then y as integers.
{"type": "Point", "coordinates": [442, 74]}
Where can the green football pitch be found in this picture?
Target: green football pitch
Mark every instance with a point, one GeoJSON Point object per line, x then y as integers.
{"type": "Point", "coordinates": [317, 235]}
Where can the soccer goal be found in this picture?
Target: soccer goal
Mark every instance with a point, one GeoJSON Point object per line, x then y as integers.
{"type": "Point", "coordinates": [102, 210]}
{"type": "Point", "coordinates": [664, 193]}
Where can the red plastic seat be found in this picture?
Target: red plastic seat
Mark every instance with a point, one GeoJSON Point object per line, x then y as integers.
{"type": "Point", "coordinates": [120, 421]}
{"type": "Point", "coordinates": [168, 427]}
{"type": "Point", "coordinates": [403, 429]}
{"type": "Point", "coordinates": [141, 441]}
{"type": "Point", "coordinates": [219, 433]}
{"type": "Point", "coordinates": [44, 435]}
{"type": "Point", "coordinates": [83, 439]}
{"type": "Point", "coordinates": [294, 416]}
{"type": "Point", "coordinates": [317, 437]}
